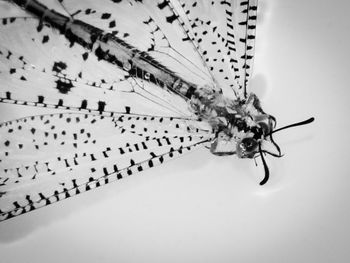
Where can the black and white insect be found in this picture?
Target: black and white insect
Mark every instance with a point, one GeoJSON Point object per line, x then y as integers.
{"type": "Point", "coordinates": [138, 82]}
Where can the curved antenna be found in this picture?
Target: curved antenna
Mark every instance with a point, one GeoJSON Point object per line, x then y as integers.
{"type": "Point", "coordinates": [273, 154]}
{"type": "Point", "coordinates": [293, 125]}
{"type": "Point", "coordinates": [275, 144]}
{"type": "Point", "coordinates": [266, 168]}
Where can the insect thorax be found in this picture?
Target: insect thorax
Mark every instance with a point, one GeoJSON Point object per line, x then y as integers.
{"type": "Point", "coordinates": [233, 121]}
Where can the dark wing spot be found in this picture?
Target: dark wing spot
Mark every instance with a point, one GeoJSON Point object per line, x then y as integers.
{"type": "Point", "coordinates": [112, 24]}
{"type": "Point", "coordinates": [83, 104]}
{"type": "Point", "coordinates": [101, 106]}
{"type": "Point", "coordinates": [59, 66]}
{"type": "Point", "coordinates": [171, 19]}
{"type": "Point", "coordinates": [40, 99]}
{"type": "Point", "coordinates": [162, 5]}
{"type": "Point", "coordinates": [105, 16]}
{"type": "Point", "coordinates": [85, 56]}
{"type": "Point", "coordinates": [64, 87]}
{"type": "Point", "coordinates": [45, 39]}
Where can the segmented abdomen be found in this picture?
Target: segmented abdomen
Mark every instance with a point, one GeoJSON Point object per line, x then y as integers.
{"type": "Point", "coordinates": [110, 48]}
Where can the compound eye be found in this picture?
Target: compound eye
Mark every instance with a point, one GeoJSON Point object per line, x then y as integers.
{"type": "Point", "coordinates": [247, 148]}
{"type": "Point", "coordinates": [249, 144]}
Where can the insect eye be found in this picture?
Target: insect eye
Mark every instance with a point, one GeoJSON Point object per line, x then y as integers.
{"type": "Point", "coordinates": [249, 144]}
{"type": "Point", "coordinates": [246, 148]}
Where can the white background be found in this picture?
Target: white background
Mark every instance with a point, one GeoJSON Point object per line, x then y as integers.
{"type": "Point", "coordinates": [202, 208]}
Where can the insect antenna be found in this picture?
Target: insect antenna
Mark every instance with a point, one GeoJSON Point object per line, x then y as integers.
{"type": "Point", "coordinates": [275, 144]}
{"type": "Point", "coordinates": [286, 127]}
{"type": "Point", "coordinates": [293, 125]}
{"type": "Point", "coordinates": [273, 154]}
{"type": "Point", "coordinates": [262, 152]}
{"type": "Point", "coordinates": [266, 168]}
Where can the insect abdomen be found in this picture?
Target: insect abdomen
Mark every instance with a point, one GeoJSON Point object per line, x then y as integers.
{"type": "Point", "coordinates": [110, 48]}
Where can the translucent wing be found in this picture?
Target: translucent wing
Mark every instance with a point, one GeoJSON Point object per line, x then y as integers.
{"type": "Point", "coordinates": [129, 68]}
{"type": "Point", "coordinates": [245, 18]}
{"type": "Point", "coordinates": [225, 31]}
{"type": "Point", "coordinates": [70, 76]}
{"type": "Point", "coordinates": [49, 158]}
{"type": "Point", "coordinates": [209, 45]}
{"type": "Point", "coordinates": [158, 30]}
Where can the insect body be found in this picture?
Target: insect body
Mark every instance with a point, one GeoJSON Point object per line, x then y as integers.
{"type": "Point", "coordinates": [239, 125]}
{"type": "Point", "coordinates": [238, 121]}
{"type": "Point", "coordinates": [136, 83]}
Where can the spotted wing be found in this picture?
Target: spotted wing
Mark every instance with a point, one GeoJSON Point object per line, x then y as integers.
{"type": "Point", "coordinates": [245, 21]}
{"type": "Point", "coordinates": [95, 68]}
{"type": "Point", "coordinates": [211, 41]}
{"type": "Point", "coordinates": [226, 30]}
{"type": "Point", "coordinates": [46, 65]}
{"type": "Point", "coordinates": [208, 44]}
{"type": "Point", "coordinates": [48, 158]}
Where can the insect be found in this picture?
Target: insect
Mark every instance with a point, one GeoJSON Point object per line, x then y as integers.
{"type": "Point", "coordinates": [136, 82]}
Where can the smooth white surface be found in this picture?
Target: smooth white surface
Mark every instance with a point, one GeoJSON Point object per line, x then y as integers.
{"type": "Point", "coordinates": [203, 208]}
